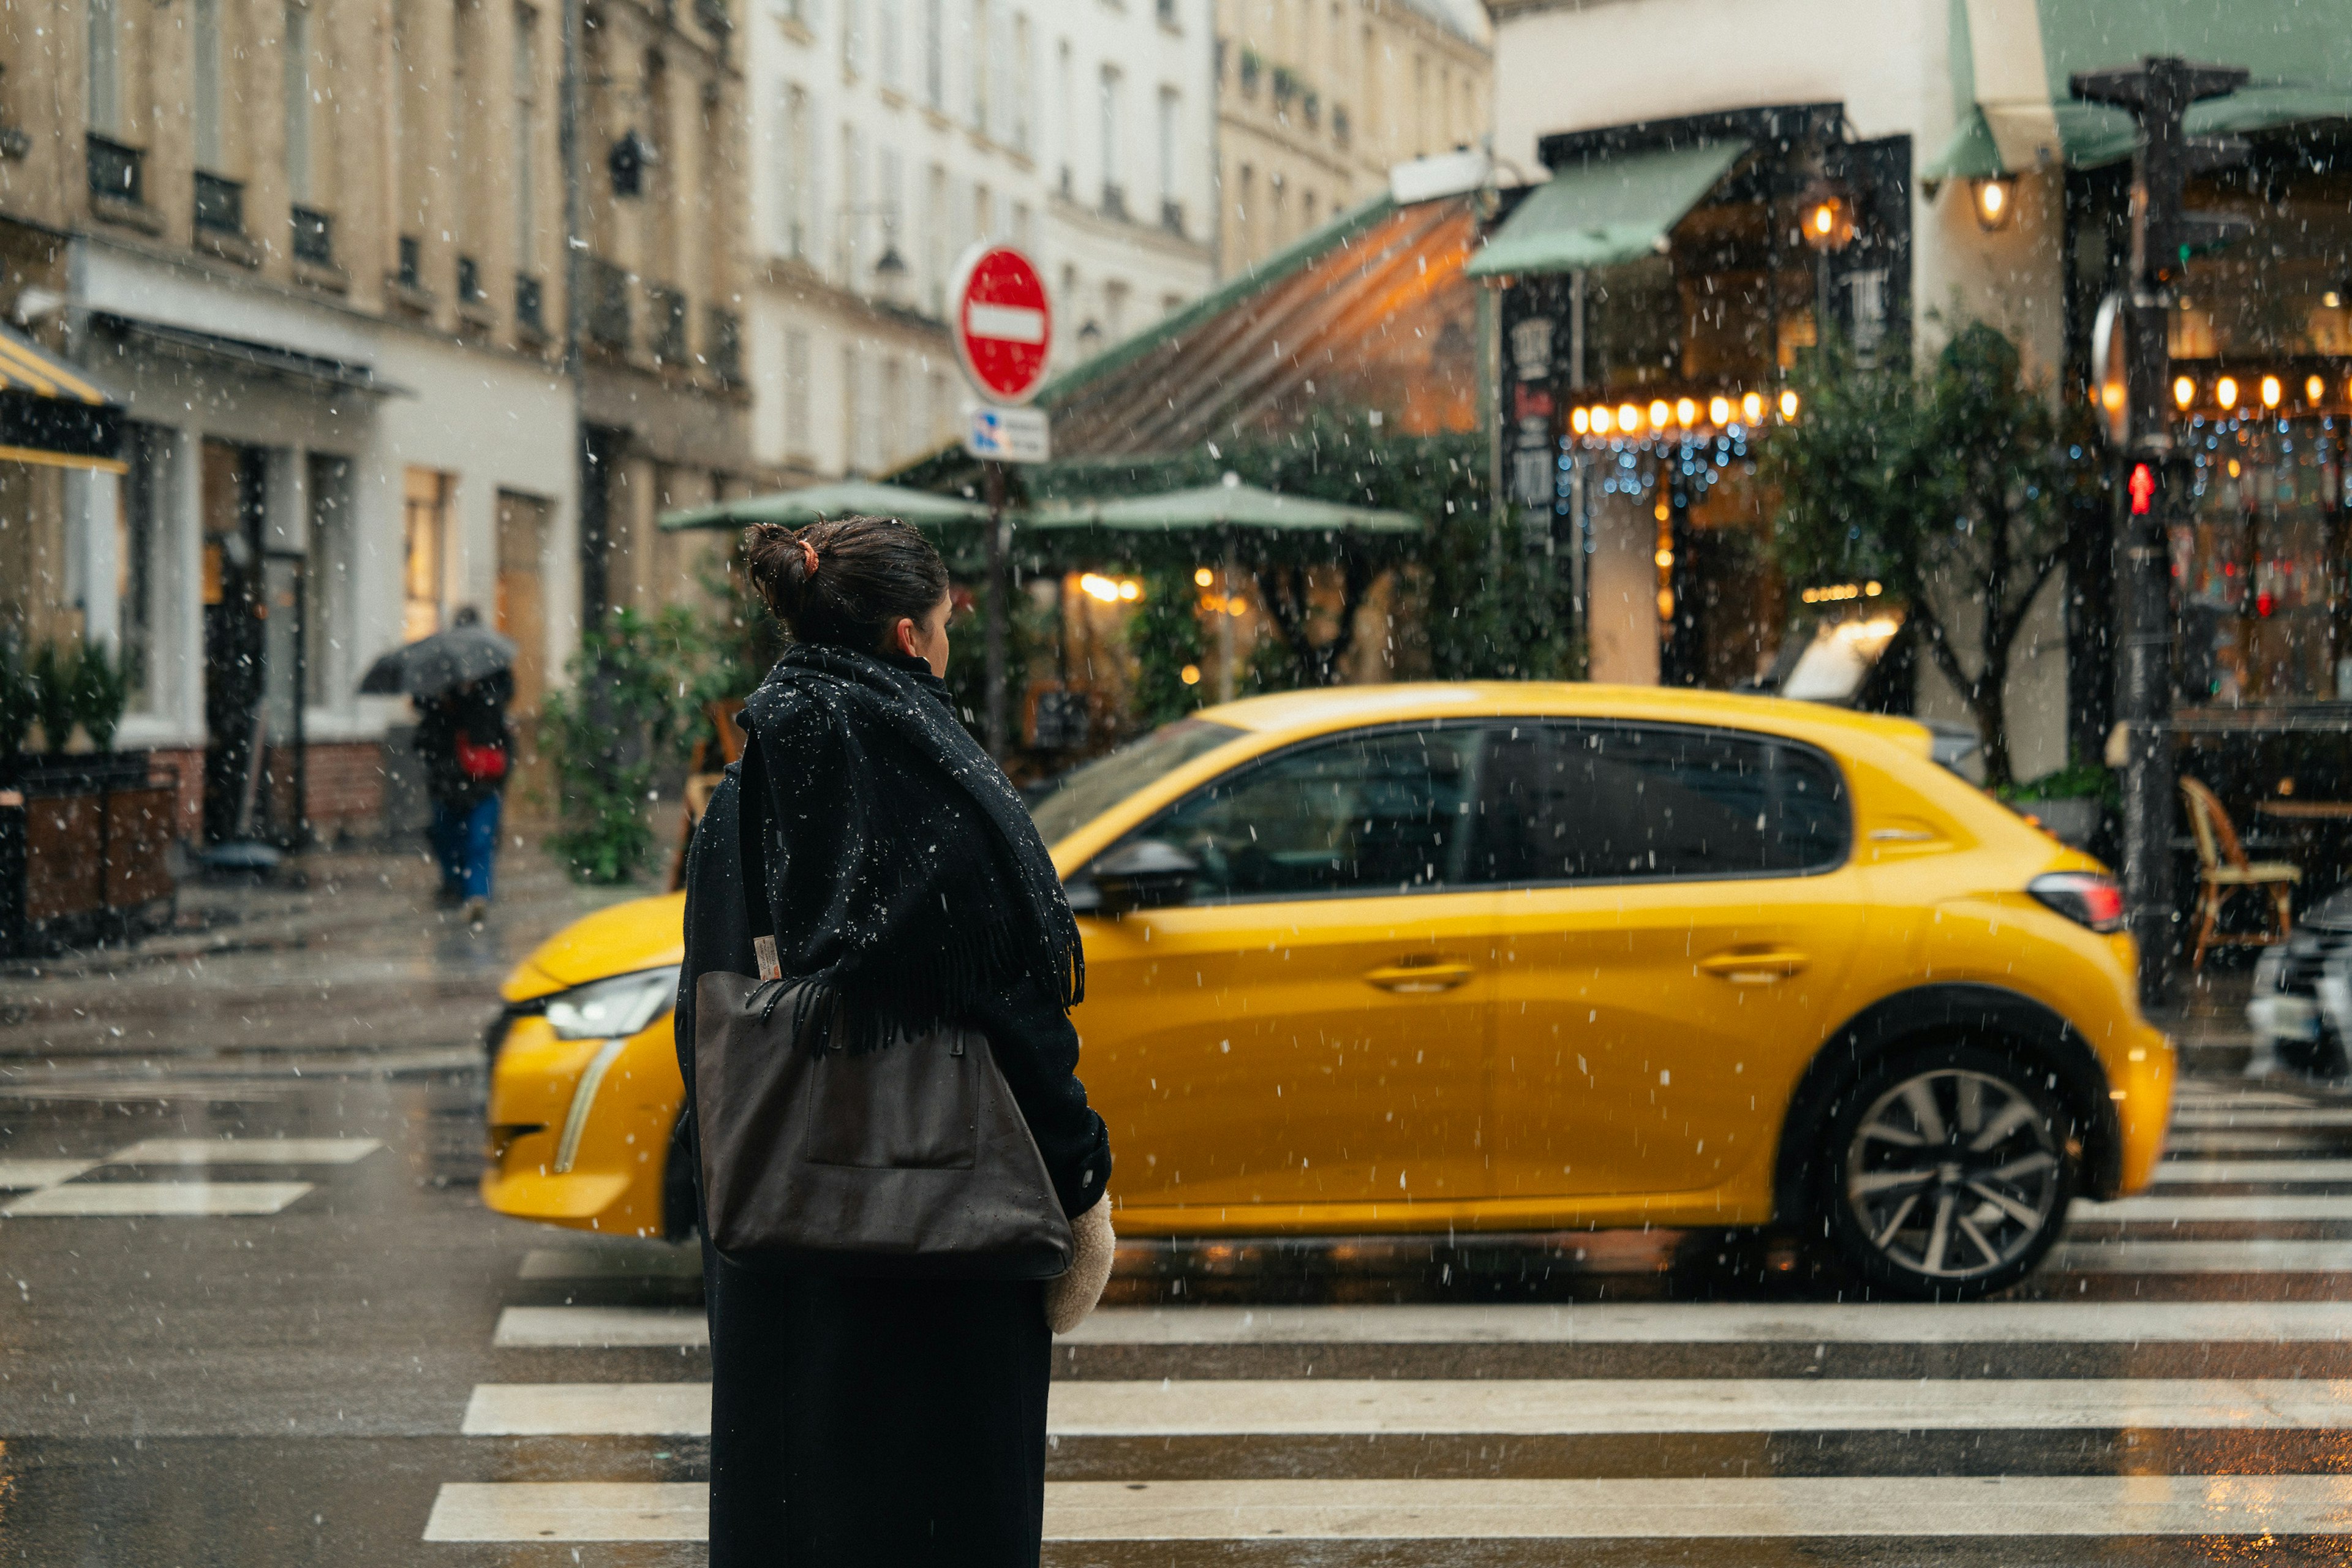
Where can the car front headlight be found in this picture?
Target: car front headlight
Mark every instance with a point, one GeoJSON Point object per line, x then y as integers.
{"type": "Point", "coordinates": [612, 1009]}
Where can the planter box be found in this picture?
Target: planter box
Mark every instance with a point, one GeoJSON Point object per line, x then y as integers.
{"type": "Point", "coordinates": [84, 842]}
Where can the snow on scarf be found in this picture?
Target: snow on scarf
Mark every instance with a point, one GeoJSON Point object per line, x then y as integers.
{"type": "Point", "coordinates": [905, 873]}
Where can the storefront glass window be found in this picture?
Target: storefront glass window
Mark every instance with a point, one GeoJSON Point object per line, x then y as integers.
{"type": "Point", "coordinates": [2260, 566]}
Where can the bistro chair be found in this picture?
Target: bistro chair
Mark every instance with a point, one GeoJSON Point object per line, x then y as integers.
{"type": "Point", "coordinates": [703, 771]}
{"type": "Point", "coordinates": [2222, 869]}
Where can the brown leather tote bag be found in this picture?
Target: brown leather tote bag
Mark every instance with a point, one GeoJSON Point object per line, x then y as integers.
{"type": "Point", "coordinates": [912, 1160]}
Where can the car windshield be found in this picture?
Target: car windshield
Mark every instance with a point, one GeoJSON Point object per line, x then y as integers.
{"type": "Point", "coordinates": [1086, 792]}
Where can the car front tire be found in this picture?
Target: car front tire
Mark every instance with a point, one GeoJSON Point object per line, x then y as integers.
{"type": "Point", "coordinates": [1949, 1172]}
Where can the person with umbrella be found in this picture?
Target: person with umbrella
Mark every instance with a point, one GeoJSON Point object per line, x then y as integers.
{"type": "Point", "coordinates": [461, 682]}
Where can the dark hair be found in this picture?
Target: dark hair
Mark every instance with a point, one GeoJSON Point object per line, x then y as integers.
{"type": "Point", "coordinates": [868, 574]}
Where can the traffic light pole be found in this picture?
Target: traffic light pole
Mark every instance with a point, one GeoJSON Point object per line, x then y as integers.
{"type": "Point", "coordinates": [2157, 93]}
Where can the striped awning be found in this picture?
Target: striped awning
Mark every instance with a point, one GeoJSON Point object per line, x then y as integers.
{"type": "Point", "coordinates": [52, 412]}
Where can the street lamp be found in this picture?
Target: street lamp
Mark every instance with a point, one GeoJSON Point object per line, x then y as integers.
{"type": "Point", "coordinates": [1992, 199]}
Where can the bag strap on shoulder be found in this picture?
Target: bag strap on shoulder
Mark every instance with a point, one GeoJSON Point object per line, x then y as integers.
{"type": "Point", "coordinates": [751, 825]}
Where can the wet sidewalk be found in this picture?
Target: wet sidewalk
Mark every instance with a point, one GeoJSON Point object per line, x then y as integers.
{"type": "Point", "coordinates": [339, 955]}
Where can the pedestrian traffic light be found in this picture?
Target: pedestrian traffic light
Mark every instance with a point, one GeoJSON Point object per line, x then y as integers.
{"type": "Point", "coordinates": [2143, 488]}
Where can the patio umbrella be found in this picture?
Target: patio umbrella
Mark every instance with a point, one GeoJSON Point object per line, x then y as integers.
{"type": "Point", "coordinates": [465, 653]}
{"type": "Point", "coordinates": [1232, 505]}
{"type": "Point", "coordinates": [849, 498]}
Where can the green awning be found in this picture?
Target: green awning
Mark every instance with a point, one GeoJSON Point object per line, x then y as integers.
{"type": "Point", "coordinates": [1605, 211]}
{"type": "Point", "coordinates": [1970, 154]}
{"type": "Point", "coordinates": [847, 498]}
{"type": "Point", "coordinates": [1232, 505]}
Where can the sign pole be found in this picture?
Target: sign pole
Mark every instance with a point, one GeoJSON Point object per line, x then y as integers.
{"type": "Point", "coordinates": [997, 617]}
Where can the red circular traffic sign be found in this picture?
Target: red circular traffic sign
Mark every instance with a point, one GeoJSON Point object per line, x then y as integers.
{"type": "Point", "coordinates": [1004, 323]}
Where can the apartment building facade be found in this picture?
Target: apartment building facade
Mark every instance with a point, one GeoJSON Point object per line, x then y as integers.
{"type": "Point", "coordinates": [1318, 100]}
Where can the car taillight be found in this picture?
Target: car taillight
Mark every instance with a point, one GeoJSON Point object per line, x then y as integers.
{"type": "Point", "coordinates": [2084, 898]}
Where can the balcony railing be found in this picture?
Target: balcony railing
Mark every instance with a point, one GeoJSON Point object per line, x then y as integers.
{"type": "Point", "coordinates": [530, 303]}
{"type": "Point", "coordinates": [314, 237]}
{"type": "Point", "coordinates": [668, 308]}
{"type": "Point", "coordinates": [469, 282]}
{"type": "Point", "coordinates": [117, 170]}
{"type": "Point", "coordinates": [411, 274]}
{"type": "Point", "coordinates": [220, 204]}
{"type": "Point", "coordinates": [722, 342]}
{"type": "Point", "coordinates": [1114, 200]}
{"type": "Point", "coordinates": [608, 303]}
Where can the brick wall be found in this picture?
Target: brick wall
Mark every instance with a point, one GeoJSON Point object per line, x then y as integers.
{"type": "Point", "coordinates": [345, 784]}
{"type": "Point", "coordinates": [188, 817]}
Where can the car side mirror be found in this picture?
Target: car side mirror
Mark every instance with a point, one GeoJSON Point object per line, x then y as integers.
{"type": "Point", "coordinates": [1143, 875]}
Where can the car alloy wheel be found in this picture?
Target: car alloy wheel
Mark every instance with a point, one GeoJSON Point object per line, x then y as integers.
{"type": "Point", "coordinates": [1956, 1178]}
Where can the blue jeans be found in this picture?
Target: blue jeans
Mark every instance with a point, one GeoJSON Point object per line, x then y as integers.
{"type": "Point", "coordinates": [467, 844]}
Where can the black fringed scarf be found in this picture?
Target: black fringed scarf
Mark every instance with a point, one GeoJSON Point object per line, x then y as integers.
{"type": "Point", "coordinates": [906, 876]}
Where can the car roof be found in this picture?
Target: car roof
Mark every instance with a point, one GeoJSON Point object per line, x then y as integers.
{"type": "Point", "coordinates": [1340, 706]}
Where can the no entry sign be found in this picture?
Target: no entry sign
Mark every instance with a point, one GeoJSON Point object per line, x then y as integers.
{"type": "Point", "coordinates": [1004, 325]}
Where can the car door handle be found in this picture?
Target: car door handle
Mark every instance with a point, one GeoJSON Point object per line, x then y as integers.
{"type": "Point", "coordinates": [1755, 965]}
{"type": "Point", "coordinates": [1409, 979]}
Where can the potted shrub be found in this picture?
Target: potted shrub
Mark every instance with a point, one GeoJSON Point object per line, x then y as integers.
{"type": "Point", "coordinates": [102, 691]}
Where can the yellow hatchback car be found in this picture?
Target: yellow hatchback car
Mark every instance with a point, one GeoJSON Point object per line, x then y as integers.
{"type": "Point", "coordinates": [1507, 957]}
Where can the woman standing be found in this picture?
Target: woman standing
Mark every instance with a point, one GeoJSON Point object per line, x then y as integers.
{"type": "Point", "coordinates": [889, 1421]}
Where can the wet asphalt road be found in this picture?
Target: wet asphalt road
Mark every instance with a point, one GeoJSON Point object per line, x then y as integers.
{"type": "Point", "coordinates": [331, 1354]}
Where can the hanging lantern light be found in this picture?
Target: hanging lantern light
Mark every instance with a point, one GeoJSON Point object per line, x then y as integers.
{"type": "Point", "coordinates": [1993, 200]}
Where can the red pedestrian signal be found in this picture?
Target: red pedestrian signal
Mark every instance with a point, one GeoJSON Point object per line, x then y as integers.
{"type": "Point", "coordinates": [2143, 488]}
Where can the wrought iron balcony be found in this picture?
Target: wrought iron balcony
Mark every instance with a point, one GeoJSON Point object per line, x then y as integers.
{"type": "Point", "coordinates": [668, 308]}
{"type": "Point", "coordinates": [722, 343]}
{"type": "Point", "coordinates": [607, 288]}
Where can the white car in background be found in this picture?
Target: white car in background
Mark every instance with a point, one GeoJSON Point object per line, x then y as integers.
{"type": "Point", "coordinates": [2301, 1009]}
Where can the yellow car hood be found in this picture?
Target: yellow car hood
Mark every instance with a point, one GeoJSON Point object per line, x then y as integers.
{"type": "Point", "coordinates": [643, 933]}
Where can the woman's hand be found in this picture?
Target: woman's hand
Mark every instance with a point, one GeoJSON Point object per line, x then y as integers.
{"type": "Point", "coordinates": [1069, 1299]}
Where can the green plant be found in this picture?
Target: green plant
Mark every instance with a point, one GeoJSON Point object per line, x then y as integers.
{"type": "Point", "coordinates": [634, 703]}
{"type": "Point", "coordinates": [1945, 487]}
{"type": "Point", "coordinates": [2078, 779]}
{"type": "Point", "coordinates": [102, 691]}
{"type": "Point", "coordinates": [15, 700]}
{"type": "Point", "coordinates": [1164, 635]}
{"type": "Point", "coordinates": [53, 675]}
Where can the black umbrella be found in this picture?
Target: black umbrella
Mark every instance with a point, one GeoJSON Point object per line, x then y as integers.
{"type": "Point", "coordinates": [464, 654]}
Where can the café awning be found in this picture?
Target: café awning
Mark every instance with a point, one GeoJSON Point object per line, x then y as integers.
{"type": "Point", "coordinates": [52, 412]}
{"type": "Point", "coordinates": [1228, 506]}
{"type": "Point", "coordinates": [1605, 211]}
{"type": "Point", "coordinates": [845, 498]}
{"type": "Point", "coordinates": [2011, 62]}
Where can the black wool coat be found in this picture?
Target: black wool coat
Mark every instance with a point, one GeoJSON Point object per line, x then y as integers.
{"type": "Point", "coordinates": [890, 1423]}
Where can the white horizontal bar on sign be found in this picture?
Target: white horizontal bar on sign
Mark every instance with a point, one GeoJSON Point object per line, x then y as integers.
{"type": "Point", "coordinates": [1709, 1507]}
{"type": "Point", "coordinates": [246, 1152]}
{"type": "Point", "coordinates": [600, 1328]}
{"type": "Point", "coordinates": [1799, 1322]}
{"type": "Point", "coordinates": [1713, 1508]}
{"type": "Point", "coordinates": [570, 1511]}
{"type": "Point", "coordinates": [1573, 1406]}
{"type": "Point", "coordinates": [1007, 324]}
{"type": "Point", "coordinates": [2260, 1254]}
{"type": "Point", "coordinates": [2260, 1116]}
{"type": "Point", "coordinates": [155, 1200]}
{"type": "Point", "coordinates": [588, 1409]}
{"type": "Point", "coordinates": [20, 1175]}
{"type": "Point", "coordinates": [2256, 1207]}
{"type": "Point", "coordinates": [622, 1260]}
{"type": "Point", "coordinates": [2285, 1173]}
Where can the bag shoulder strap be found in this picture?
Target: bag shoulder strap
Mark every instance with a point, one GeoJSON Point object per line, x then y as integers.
{"type": "Point", "coordinates": [752, 832]}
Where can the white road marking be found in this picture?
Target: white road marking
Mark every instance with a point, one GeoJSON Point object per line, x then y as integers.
{"type": "Point", "coordinates": [570, 1511]}
{"type": "Point", "coordinates": [2207, 1099]}
{"type": "Point", "coordinates": [600, 1328]}
{"type": "Point", "coordinates": [1704, 1507]}
{"type": "Point", "coordinates": [155, 1199]}
{"type": "Point", "coordinates": [2252, 1256]}
{"type": "Point", "coordinates": [2176, 1172]}
{"type": "Point", "coordinates": [2307, 1115]}
{"type": "Point", "coordinates": [2257, 1207]}
{"type": "Point", "coordinates": [640, 1260]}
{"type": "Point", "coordinates": [1515, 1406]}
{"type": "Point", "coordinates": [18, 1175]}
{"type": "Point", "coordinates": [580, 1409]}
{"type": "Point", "coordinates": [2248, 1141]}
{"type": "Point", "coordinates": [246, 1152]}
{"type": "Point", "coordinates": [1893, 1323]}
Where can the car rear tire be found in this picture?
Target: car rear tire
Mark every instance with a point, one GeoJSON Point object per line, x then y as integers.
{"type": "Point", "coordinates": [1949, 1172]}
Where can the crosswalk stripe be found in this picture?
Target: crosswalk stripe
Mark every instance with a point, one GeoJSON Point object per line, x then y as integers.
{"type": "Point", "coordinates": [157, 1200]}
{"type": "Point", "coordinates": [1393, 1509]}
{"type": "Point", "coordinates": [2207, 1099]}
{"type": "Point", "coordinates": [246, 1152]}
{"type": "Point", "coordinates": [22, 1175]}
{"type": "Point", "coordinates": [2263, 1116]}
{"type": "Point", "coordinates": [2255, 1255]}
{"type": "Point", "coordinates": [2175, 1173]}
{"type": "Point", "coordinates": [2249, 1141]}
{"type": "Point", "coordinates": [1234, 1407]}
{"type": "Point", "coordinates": [2156, 1209]}
{"type": "Point", "coordinates": [600, 1328]}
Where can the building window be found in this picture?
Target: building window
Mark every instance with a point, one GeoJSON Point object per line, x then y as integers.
{"type": "Point", "coordinates": [206, 27]}
{"type": "Point", "coordinates": [942, 410]}
{"type": "Point", "coordinates": [935, 240]}
{"type": "Point", "coordinates": [530, 306]}
{"type": "Point", "coordinates": [871, 434]}
{"type": "Point", "coordinates": [668, 306]}
{"type": "Point", "coordinates": [295, 58]}
{"type": "Point", "coordinates": [1167, 9]}
{"type": "Point", "coordinates": [608, 304]}
{"type": "Point", "coordinates": [982, 67]}
{"type": "Point", "coordinates": [469, 282]}
{"type": "Point", "coordinates": [847, 230]}
{"type": "Point", "coordinates": [1021, 227]}
{"type": "Point", "coordinates": [425, 507]}
{"type": "Point", "coordinates": [220, 204]}
{"type": "Point", "coordinates": [890, 45]}
{"type": "Point", "coordinates": [852, 410]}
{"type": "Point", "coordinates": [314, 237]}
{"type": "Point", "coordinates": [411, 268]}
{"type": "Point", "coordinates": [116, 170]}
{"type": "Point", "coordinates": [142, 524]}
{"type": "Point", "coordinates": [1172, 209]}
{"type": "Point", "coordinates": [1066, 107]}
{"type": "Point", "coordinates": [1114, 181]}
{"type": "Point", "coordinates": [792, 207]}
{"type": "Point", "coordinates": [1017, 77]}
{"type": "Point", "coordinates": [891, 415]}
{"type": "Point", "coordinates": [853, 37]}
{"type": "Point", "coordinates": [526, 129]}
{"type": "Point", "coordinates": [722, 343]}
{"type": "Point", "coordinates": [935, 56]}
{"type": "Point", "coordinates": [798, 442]}
{"type": "Point", "coordinates": [105, 67]}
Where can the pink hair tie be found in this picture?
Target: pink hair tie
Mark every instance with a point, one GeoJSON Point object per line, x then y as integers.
{"type": "Point", "coordinates": [808, 553]}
